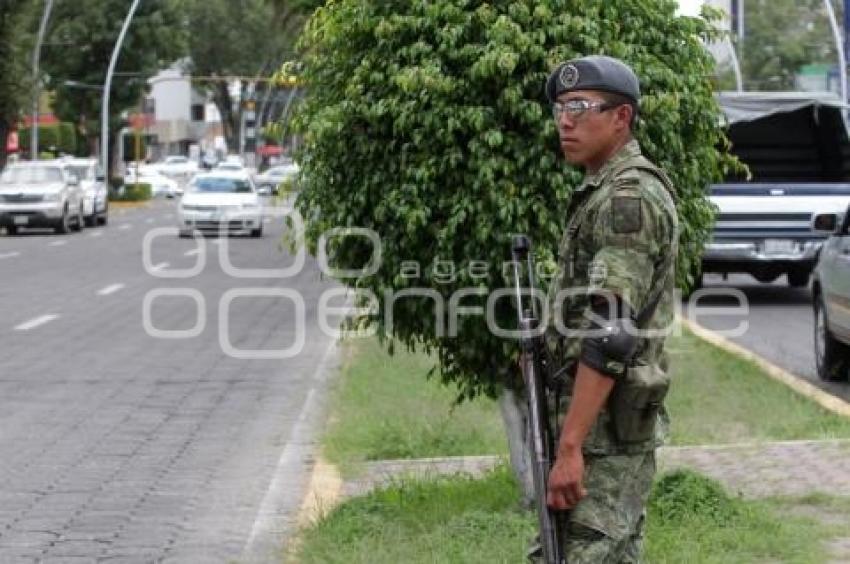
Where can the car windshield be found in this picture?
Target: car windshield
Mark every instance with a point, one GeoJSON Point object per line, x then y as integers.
{"type": "Point", "coordinates": [219, 184]}
{"type": "Point", "coordinates": [176, 160]}
{"type": "Point", "coordinates": [31, 175]}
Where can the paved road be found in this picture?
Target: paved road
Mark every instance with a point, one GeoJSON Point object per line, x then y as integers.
{"type": "Point", "coordinates": [779, 322]}
{"type": "Point", "coordinates": [122, 447]}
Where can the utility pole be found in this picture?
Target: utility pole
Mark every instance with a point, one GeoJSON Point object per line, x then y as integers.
{"type": "Point", "coordinates": [104, 117]}
{"type": "Point", "coordinates": [36, 80]}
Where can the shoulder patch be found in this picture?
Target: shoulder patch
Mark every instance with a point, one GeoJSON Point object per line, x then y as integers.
{"type": "Point", "coordinates": [627, 214]}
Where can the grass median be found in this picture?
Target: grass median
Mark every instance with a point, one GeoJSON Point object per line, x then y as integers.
{"type": "Point", "coordinates": [383, 407]}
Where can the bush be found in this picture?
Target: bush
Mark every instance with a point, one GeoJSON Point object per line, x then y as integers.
{"type": "Point", "coordinates": [682, 494]}
{"type": "Point", "coordinates": [52, 139]}
{"type": "Point", "coordinates": [427, 122]}
{"type": "Point", "coordinates": [132, 193]}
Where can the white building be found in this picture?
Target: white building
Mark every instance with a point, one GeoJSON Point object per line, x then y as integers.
{"type": "Point", "coordinates": [182, 117]}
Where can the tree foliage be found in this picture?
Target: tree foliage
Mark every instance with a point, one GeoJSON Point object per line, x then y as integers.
{"type": "Point", "coordinates": [15, 19]}
{"type": "Point", "coordinates": [427, 123]}
{"type": "Point", "coordinates": [79, 45]}
{"type": "Point", "coordinates": [248, 38]}
{"type": "Point", "coordinates": [780, 37]}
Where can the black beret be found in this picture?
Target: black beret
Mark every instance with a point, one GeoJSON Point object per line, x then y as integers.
{"type": "Point", "coordinates": [594, 72]}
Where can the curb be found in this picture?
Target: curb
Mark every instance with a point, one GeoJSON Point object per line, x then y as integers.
{"type": "Point", "coordinates": [796, 383]}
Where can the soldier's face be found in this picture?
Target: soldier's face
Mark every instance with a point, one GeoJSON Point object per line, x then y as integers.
{"type": "Point", "coordinates": [587, 137]}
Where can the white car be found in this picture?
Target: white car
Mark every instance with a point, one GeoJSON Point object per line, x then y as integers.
{"type": "Point", "coordinates": [40, 194]}
{"type": "Point", "coordinates": [178, 168]}
{"type": "Point", "coordinates": [221, 201]}
{"type": "Point", "coordinates": [161, 185]}
{"type": "Point", "coordinates": [95, 194]}
{"type": "Point", "coordinates": [269, 181]}
{"type": "Point", "coordinates": [229, 165]}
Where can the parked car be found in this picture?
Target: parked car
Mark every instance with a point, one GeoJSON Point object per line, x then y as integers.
{"type": "Point", "coordinates": [221, 200]}
{"type": "Point", "coordinates": [269, 181]}
{"type": "Point", "coordinates": [831, 297]}
{"type": "Point", "coordinates": [229, 165]}
{"type": "Point", "coordinates": [795, 145]}
{"type": "Point", "coordinates": [95, 193]}
{"type": "Point", "coordinates": [177, 168]}
{"type": "Point", "coordinates": [40, 194]}
{"type": "Point", "coordinates": [161, 185]}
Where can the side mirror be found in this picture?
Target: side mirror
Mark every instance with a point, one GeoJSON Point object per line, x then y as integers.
{"type": "Point", "coordinates": [825, 222]}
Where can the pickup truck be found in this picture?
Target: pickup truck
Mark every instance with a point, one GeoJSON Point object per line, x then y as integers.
{"type": "Point", "coordinates": [796, 148]}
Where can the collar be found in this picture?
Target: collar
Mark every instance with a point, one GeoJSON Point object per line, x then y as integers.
{"type": "Point", "coordinates": [628, 151]}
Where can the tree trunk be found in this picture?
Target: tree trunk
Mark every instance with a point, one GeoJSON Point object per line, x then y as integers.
{"type": "Point", "coordinates": [229, 117]}
{"type": "Point", "coordinates": [4, 134]}
{"type": "Point", "coordinates": [514, 412]}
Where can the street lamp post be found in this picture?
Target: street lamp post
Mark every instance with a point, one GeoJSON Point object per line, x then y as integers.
{"type": "Point", "coordinates": [36, 56]}
{"type": "Point", "coordinates": [104, 117]}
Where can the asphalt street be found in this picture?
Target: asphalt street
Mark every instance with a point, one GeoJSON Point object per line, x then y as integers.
{"type": "Point", "coordinates": [775, 321]}
{"type": "Point", "coordinates": [142, 417]}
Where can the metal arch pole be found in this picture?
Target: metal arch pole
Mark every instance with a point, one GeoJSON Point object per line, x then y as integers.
{"type": "Point", "coordinates": [736, 65]}
{"type": "Point", "coordinates": [36, 82]}
{"type": "Point", "coordinates": [104, 116]}
{"type": "Point", "coordinates": [839, 45]}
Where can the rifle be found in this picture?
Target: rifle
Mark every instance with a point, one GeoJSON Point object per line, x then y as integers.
{"type": "Point", "coordinates": [542, 435]}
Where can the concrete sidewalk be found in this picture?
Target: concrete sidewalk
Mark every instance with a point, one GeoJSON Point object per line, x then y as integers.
{"type": "Point", "coordinates": [783, 468]}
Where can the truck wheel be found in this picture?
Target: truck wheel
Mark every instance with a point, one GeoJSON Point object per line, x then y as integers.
{"type": "Point", "coordinates": [798, 278]}
{"type": "Point", "coordinates": [832, 357]}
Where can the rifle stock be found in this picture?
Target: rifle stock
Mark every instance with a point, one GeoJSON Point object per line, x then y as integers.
{"type": "Point", "coordinates": [542, 434]}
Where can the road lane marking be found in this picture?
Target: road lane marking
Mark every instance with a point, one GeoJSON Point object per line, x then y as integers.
{"type": "Point", "coordinates": [10, 255]}
{"type": "Point", "coordinates": [111, 289]}
{"type": "Point", "coordinates": [160, 266]}
{"type": "Point", "coordinates": [191, 253]}
{"type": "Point", "coordinates": [269, 522]}
{"type": "Point", "coordinates": [125, 226]}
{"type": "Point", "coordinates": [33, 323]}
{"type": "Point", "coordinates": [96, 234]}
{"type": "Point", "coordinates": [57, 243]}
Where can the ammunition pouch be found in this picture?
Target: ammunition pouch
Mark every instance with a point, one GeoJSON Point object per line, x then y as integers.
{"type": "Point", "coordinates": [636, 401]}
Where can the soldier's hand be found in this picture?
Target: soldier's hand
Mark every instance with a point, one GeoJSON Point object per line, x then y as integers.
{"type": "Point", "coordinates": [565, 480]}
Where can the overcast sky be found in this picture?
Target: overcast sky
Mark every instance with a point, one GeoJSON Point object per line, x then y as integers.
{"type": "Point", "coordinates": [690, 7]}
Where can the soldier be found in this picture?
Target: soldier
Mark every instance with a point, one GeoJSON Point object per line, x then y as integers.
{"type": "Point", "coordinates": [611, 301]}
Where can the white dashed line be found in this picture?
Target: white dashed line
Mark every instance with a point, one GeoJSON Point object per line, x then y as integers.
{"type": "Point", "coordinates": [57, 243]}
{"type": "Point", "coordinates": [10, 255]}
{"type": "Point", "coordinates": [96, 234]}
{"type": "Point", "coordinates": [125, 226]}
{"type": "Point", "coordinates": [191, 253]}
{"type": "Point", "coordinates": [33, 323]}
{"type": "Point", "coordinates": [111, 289]}
{"type": "Point", "coordinates": [160, 266]}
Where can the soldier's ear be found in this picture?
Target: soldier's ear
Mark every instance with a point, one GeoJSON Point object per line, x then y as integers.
{"type": "Point", "coordinates": [624, 115]}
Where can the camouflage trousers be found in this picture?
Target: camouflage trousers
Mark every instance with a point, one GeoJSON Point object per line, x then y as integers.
{"type": "Point", "coordinates": [606, 527]}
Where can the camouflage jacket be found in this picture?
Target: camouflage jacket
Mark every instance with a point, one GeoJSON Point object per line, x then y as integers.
{"type": "Point", "coordinates": [621, 235]}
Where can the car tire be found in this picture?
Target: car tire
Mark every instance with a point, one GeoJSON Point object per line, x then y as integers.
{"type": "Point", "coordinates": [832, 357]}
{"type": "Point", "coordinates": [64, 224]}
{"type": "Point", "coordinates": [257, 232]}
{"type": "Point", "coordinates": [798, 278]}
{"type": "Point", "coordinates": [12, 230]}
{"type": "Point", "coordinates": [91, 220]}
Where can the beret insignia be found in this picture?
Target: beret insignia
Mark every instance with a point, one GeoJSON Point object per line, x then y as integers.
{"type": "Point", "coordinates": [569, 76]}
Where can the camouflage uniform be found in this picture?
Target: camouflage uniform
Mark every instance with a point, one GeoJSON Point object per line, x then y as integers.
{"type": "Point", "coordinates": [621, 234]}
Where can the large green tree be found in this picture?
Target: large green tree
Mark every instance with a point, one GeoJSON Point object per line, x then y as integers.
{"type": "Point", "coordinates": [426, 122]}
{"type": "Point", "coordinates": [780, 37]}
{"type": "Point", "coordinates": [15, 39]}
{"type": "Point", "coordinates": [245, 38]}
{"type": "Point", "coordinates": [79, 44]}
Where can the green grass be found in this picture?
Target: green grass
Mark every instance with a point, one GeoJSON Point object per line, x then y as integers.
{"type": "Point", "coordinates": [458, 519]}
{"type": "Point", "coordinates": [692, 519]}
{"type": "Point", "coordinates": [383, 407]}
{"type": "Point", "coordinates": [716, 397]}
